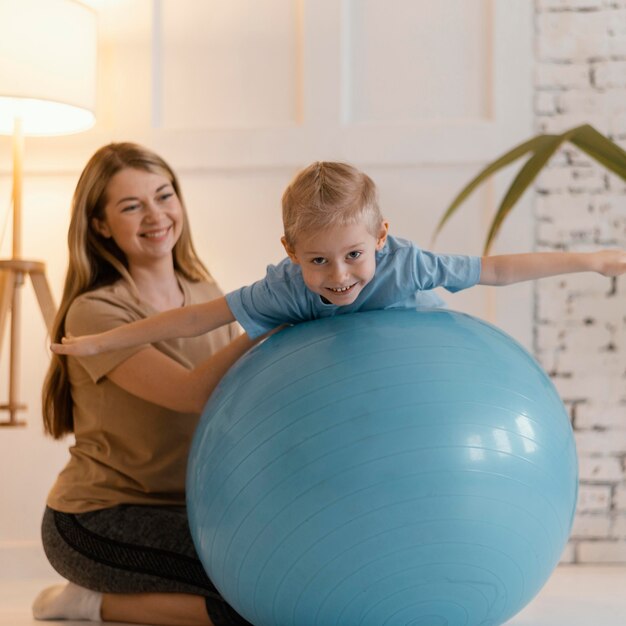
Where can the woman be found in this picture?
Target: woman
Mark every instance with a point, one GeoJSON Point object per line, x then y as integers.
{"type": "Point", "coordinates": [115, 524]}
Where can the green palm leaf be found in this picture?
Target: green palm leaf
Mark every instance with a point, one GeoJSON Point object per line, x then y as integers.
{"type": "Point", "coordinates": [543, 147]}
{"type": "Point", "coordinates": [602, 149]}
{"type": "Point", "coordinates": [503, 161]}
{"type": "Point", "coordinates": [524, 178]}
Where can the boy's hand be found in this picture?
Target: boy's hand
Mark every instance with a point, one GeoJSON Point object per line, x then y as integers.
{"type": "Point", "coordinates": [610, 262]}
{"type": "Point", "coordinates": [85, 345]}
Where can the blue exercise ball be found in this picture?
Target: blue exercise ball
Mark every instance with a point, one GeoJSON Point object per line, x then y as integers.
{"type": "Point", "coordinates": [388, 467]}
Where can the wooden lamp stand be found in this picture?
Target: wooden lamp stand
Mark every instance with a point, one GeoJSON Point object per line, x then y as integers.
{"type": "Point", "coordinates": [12, 276]}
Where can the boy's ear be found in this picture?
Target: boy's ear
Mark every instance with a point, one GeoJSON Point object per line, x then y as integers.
{"type": "Point", "coordinates": [101, 227]}
{"type": "Point", "coordinates": [382, 236]}
{"type": "Point", "coordinates": [291, 253]}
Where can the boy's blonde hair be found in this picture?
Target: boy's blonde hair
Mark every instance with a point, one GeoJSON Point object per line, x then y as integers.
{"type": "Point", "coordinates": [329, 194]}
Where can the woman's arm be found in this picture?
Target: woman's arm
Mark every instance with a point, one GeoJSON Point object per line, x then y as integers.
{"type": "Point", "coordinates": [512, 268]}
{"type": "Point", "coordinates": [154, 377]}
{"type": "Point", "coordinates": [189, 321]}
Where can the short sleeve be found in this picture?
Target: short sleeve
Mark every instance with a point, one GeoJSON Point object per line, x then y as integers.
{"type": "Point", "coordinates": [257, 308]}
{"type": "Point", "coordinates": [453, 272]}
{"type": "Point", "coordinates": [279, 298]}
{"type": "Point", "coordinates": [90, 314]}
{"type": "Point", "coordinates": [239, 302]}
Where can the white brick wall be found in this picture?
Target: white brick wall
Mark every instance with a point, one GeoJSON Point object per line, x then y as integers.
{"type": "Point", "coordinates": [580, 321]}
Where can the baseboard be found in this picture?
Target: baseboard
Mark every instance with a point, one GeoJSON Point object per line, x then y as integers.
{"type": "Point", "coordinates": [24, 560]}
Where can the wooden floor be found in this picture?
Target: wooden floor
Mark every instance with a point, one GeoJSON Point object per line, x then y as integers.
{"type": "Point", "coordinates": [574, 596]}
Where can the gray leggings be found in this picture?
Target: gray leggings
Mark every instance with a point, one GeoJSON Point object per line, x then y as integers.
{"type": "Point", "coordinates": [131, 549]}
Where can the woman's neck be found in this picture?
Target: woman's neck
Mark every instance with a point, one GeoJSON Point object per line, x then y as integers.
{"type": "Point", "coordinates": [158, 285]}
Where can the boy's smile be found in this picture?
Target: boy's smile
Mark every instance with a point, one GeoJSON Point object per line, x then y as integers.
{"type": "Point", "coordinates": [339, 261]}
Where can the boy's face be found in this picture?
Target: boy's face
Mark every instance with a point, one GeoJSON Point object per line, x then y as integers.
{"type": "Point", "coordinates": [339, 261]}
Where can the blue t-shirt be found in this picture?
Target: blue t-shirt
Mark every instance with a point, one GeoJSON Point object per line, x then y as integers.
{"type": "Point", "coordinates": [403, 271]}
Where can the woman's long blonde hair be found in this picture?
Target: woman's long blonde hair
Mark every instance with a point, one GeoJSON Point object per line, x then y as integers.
{"type": "Point", "coordinates": [95, 261]}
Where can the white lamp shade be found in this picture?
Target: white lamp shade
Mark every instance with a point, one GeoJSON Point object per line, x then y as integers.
{"type": "Point", "coordinates": [47, 66]}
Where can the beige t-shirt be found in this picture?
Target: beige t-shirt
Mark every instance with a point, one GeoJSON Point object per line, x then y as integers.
{"type": "Point", "coordinates": [127, 450]}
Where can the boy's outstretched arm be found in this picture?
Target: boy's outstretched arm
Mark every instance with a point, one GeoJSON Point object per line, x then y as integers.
{"type": "Point", "coordinates": [513, 268]}
{"type": "Point", "coordinates": [188, 321]}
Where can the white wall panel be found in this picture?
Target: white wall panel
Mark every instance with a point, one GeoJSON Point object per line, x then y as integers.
{"type": "Point", "coordinates": [230, 64]}
{"type": "Point", "coordinates": [236, 220]}
{"type": "Point", "coordinates": [417, 61]}
{"type": "Point", "coordinates": [125, 59]}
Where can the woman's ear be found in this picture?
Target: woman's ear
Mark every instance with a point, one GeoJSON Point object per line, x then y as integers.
{"type": "Point", "coordinates": [101, 227]}
{"type": "Point", "coordinates": [291, 253]}
{"type": "Point", "coordinates": [382, 236]}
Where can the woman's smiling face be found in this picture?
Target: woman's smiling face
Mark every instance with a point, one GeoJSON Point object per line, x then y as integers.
{"type": "Point", "coordinates": [142, 214]}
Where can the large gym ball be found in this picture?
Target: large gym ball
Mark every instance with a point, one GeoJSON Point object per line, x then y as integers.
{"type": "Point", "coordinates": [383, 468]}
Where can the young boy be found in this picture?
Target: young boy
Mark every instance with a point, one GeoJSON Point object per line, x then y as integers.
{"type": "Point", "coordinates": [340, 260]}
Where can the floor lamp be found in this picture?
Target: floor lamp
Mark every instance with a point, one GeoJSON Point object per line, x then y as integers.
{"type": "Point", "coordinates": [47, 87]}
